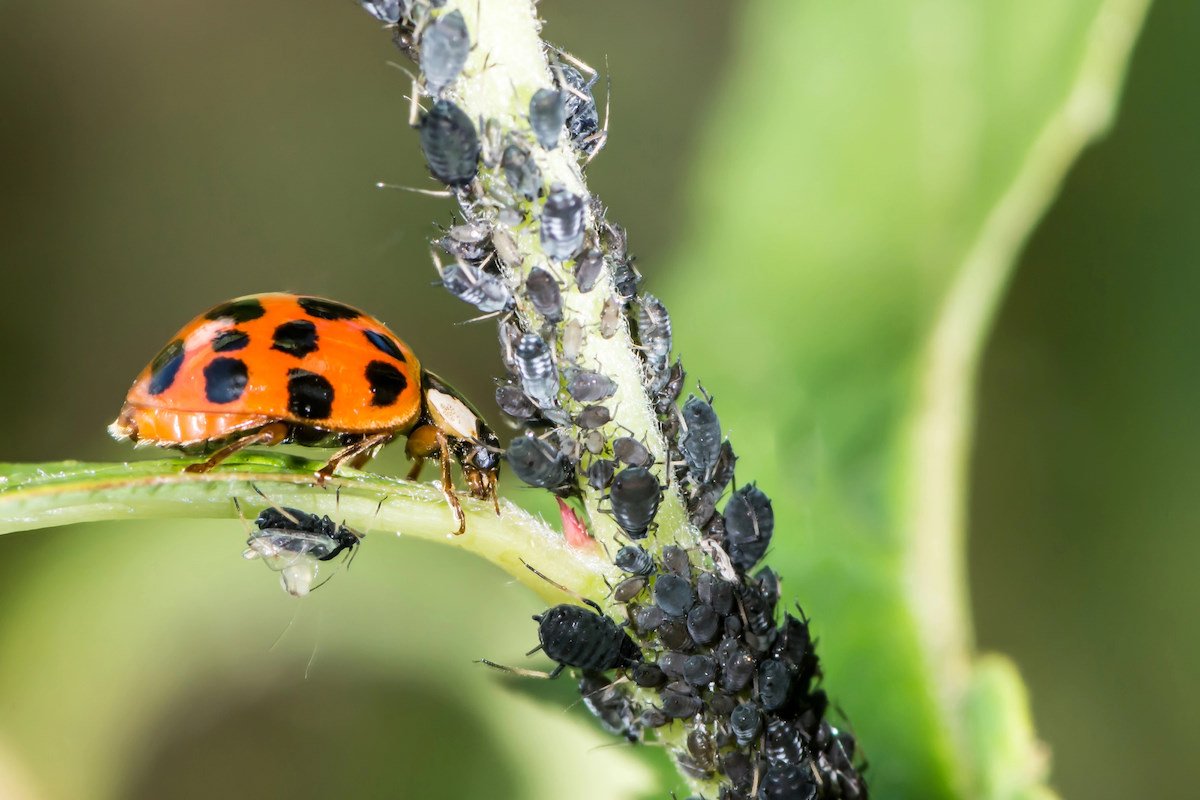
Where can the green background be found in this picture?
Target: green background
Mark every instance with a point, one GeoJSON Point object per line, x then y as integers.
{"type": "Point", "coordinates": [160, 158]}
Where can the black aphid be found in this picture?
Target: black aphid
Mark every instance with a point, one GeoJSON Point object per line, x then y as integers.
{"type": "Point", "coordinates": [648, 676]}
{"type": "Point", "coordinates": [547, 115]}
{"type": "Point", "coordinates": [536, 369]}
{"type": "Point", "coordinates": [600, 473]}
{"type": "Point", "coordinates": [630, 451]}
{"type": "Point", "coordinates": [562, 224]}
{"type": "Point", "coordinates": [470, 242]}
{"type": "Point", "coordinates": [701, 443]}
{"type": "Point", "coordinates": [593, 417]}
{"type": "Point", "coordinates": [296, 531]}
{"type": "Point", "coordinates": [635, 560]}
{"type": "Point", "coordinates": [673, 633]}
{"type": "Point", "coordinates": [679, 705]}
{"type": "Point", "coordinates": [664, 399]}
{"type": "Point", "coordinates": [450, 144]}
{"type": "Point", "coordinates": [445, 45]}
{"type": "Point", "coordinates": [481, 289]}
{"type": "Point", "coordinates": [746, 723]}
{"type": "Point", "coordinates": [545, 294]}
{"type": "Point", "coordinates": [749, 524]}
{"type": "Point", "coordinates": [635, 496]}
{"type": "Point", "coordinates": [521, 171]}
{"type": "Point", "coordinates": [515, 403]}
{"type": "Point", "coordinates": [573, 636]}
{"type": "Point", "coordinates": [629, 588]}
{"type": "Point", "coordinates": [675, 559]}
{"type": "Point", "coordinates": [703, 624]}
{"type": "Point", "coordinates": [760, 614]}
{"type": "Point", "coordinates": [672, 665]}
{"type": "Point", "coordinates": [737, 665]}
{"type": "Point", "coordinates": [674, 595]}
{"type": "Point", "coordinates": [715, 592]}
{"type": "Point", "coordinates": [610, 705]}
{"type": "Point", "coordinates": [583, 120]}
{"type": "Point", "coordinates": [700, 670]}
{"type": "Point", "coordinates": [648, 618]}
{"type": "Point", "coordinates": [774, 684]}
{"type": "Point", "coordinates": [587, 386]}
{"type": "Point", "coordinates": [788, 782]}
{"type": "Point", "coordinates": [784, 745]}
{"type": "Point", "coordinates": [588, 270]}
{"type": "Point", "coordinates": [537, 463]}
{"type": "Point", "coordinates": [654, 332]}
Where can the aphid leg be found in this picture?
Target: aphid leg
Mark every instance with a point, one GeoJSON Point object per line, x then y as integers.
{"type": "Point", "coordinates": [356, 454]}
{"type": "Point", "coordinates": [585, 600]}
{"type": "Point", "coordinates": [268, 435]}
{"type": "Point", "coordinates": [525, 673]}
{"type": "Point", "coordinates": [601, 136]}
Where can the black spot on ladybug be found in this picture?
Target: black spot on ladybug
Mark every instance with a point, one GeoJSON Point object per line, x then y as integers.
{"type": "Point", "coordinates": [327, 309]}
{"type": "Point", "coordinates": [225, 380]}
{"type": "Point", "coordinates": [165, 366]}
{"type": "Point", "coordinates": [237, 310]}
{"type": "Point", "coordinates": [310, 396]}
{"type": "Point", "coordinates": [386, 381]}
{"type": "Point", "coordinates": [230, 339]}
{"type": "Point", "coordinates": [297, 338]}
{"type": "Point", "coordinates": [385, 344]}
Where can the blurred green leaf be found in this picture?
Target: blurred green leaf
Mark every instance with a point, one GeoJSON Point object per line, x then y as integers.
{"type": "Point", "coordinates": [869, 175]}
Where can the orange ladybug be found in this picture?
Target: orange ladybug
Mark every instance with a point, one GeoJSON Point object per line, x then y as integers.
{"type": "Point", "coordinates": [275, 368]}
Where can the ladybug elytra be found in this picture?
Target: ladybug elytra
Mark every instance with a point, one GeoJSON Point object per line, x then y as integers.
{"type": "Point", "coordinates": [276, 368]}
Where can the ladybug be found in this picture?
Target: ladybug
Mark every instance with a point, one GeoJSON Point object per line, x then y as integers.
{"type": "Point", "coordinates": [281, 368]}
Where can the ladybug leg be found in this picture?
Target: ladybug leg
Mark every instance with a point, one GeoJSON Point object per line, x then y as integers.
{"type": "Point", "coordinates": [267, 435]}
{"type": "Point", "coordinates": [424, 442]}
{"type": "Point", "coordinates": [414, 472]}
{"type": "Point", "coordinates": [448, 484]}
{"type": "Point", "coordinates": [356, 454]}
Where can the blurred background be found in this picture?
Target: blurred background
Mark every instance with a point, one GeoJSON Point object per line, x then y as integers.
{"type": "Point", "coordinates": [160, 158]}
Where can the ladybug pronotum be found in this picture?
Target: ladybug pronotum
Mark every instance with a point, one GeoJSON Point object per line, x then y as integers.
{"type": "Point", "coordinates": [280, 368]}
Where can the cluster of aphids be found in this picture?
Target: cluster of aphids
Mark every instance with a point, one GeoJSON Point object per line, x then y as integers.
{"type": "Point", "coordinates": [701, 645]}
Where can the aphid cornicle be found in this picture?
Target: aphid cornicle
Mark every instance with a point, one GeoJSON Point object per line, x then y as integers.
{"type": "Point", "coordinates": [270, 369]}
{"type": "Point", "coordinates": [450, 144]}
{"type": "Point", "coordinates": [293, 543]}
{"type": "Point", "coordinates": [445, 45]}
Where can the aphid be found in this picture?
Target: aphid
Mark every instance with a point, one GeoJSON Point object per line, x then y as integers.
{"type": "Point", "coordinates": [793, 646]}
{"type": "Point", "coordinates": [703, 503]}
{"type": "Point", "coordinates": [648, 676]}
{"type": "Point", "coordinates": [774, 684]}
{"type": "Point", "coordinates": [768, 586]}
{"type": "Point", "coordinates": [701, 444]}
{"type": "Point", "coordinates": [610, 705]}
{"type": "Point", "coordinates": [635, 496]}
{"type": "Point", "coordinates": [587, 386]}
{"type": "Point", "coordinates": [593, 440]}
{"type": "Point", "coordinates": [572, 340]}
{"type": "Point", "coordinates": [648, 618]}
{"type": "Point", "coordinates": [700, 747]}
{"type": "Point", "coordinates": [584, 637]}
{"type": "Point", "coordinates": [515, 403]}
{"type": "Point", "coordinates": [678, 702]}
{"type": "Point", "coordinates": [760, 615]}
{"type": "Point", "coordinates": [547, 115]}
{"type": "Point", "coordinates": [784, 744]}
{"type": "Point", "coordinates": [703, 624]}
{"type": "Point", "coordinates": [445, 45]}
{"type": "Point", "coordinates": [536, 463]}
{"type": "Point", "coordinates": [386, 11]}
{"type": "Point", "coordinates": [749, 524]}
{"type": "Point", "coordinates": [293, 542]}
{"type": "Point", "coordinates": [675, 559]}
{"type": "Point", "coordinates": [544, 293]}
{"type": "Point", "coordinates": [562, 223]}
{"type": "Point", "coordinates": [737, 666]}
{"type": "Point", "coordinates": [629, 588]}
{"type": "Point", "coordinates": [536, 369]}
{"type": "Point", "coordinates": [674, 595]}
{"type": "Point", "coordinates": [583, 120]}
{"type": "Point", "coordinates": [653, 718]}
{"type": "Point", "coordinates": [450, 144]}
{"type": "Point", "coordinates": [503, 241]}
{"type": "Point", "coordinates": [746, 723]}
{"type": "Point", "coordinates": [610, 318]}
{"type": "Point", "coordinates": [654, 331]}
{"type": "Point", "coordinates": [664, 400]}
{"type": "Point", "coordinates": [588, 269]}
{"type": "Point", "coordinates": [626, 279]}
{"type": "Point", "coordinates": [521, 171]}
{"type": "Point", "coordinates": [740, 771]}
{"type": "Point", "coordinates": [593, 417]}
{"type": "Point", "coordinates": [483, 290]}
{"type": "Point", "coordinates": [468, 241]}
{"type": "Point", "coordinates": [672, 665]}
{"type": "Point", "coordinates": [635, 560]}
{"type": "Point", "coordinates": [700, 670]}
{"type": "Point", "coordinates": [630, 451]}
{"type": "Point", "coordinates": [673, 633]}
{"type": "Point", "coordinates": [279, 368]}
{"type": "Point", "coordinates": [721, 703]}
{"type": "Point", "coordinates": [787, 782]}
{"type": "Point", "coordinates": [600, 474]}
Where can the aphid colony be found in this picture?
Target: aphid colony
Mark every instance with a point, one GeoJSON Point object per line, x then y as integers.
{"type": "Point", "coordinates": [691, 637]}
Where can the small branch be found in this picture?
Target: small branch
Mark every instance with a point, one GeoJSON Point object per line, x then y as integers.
{"type": "Point", "coordinates": [36, 496]}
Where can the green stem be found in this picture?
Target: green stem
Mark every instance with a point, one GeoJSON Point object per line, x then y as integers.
{"type": "Point", "coordinates": [36, 496]}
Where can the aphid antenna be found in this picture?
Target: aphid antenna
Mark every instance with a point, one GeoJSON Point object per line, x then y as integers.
{"type": "Point", "coordinates": [405, 70]}
{"type": "Point", "coordinates": [442, 193]}
{"type": "Point", "coordinates": [585, 600]}
{"type": "Point", "coordinates": [601, 136]}
{"type": "Point", "coordinates": [414, 107]}
{"type": "Point", "coordinates": [708, 398]}
{"type": "Point", "coordinates": [287, 514]}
